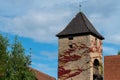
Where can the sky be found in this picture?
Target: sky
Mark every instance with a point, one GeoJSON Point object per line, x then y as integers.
{"type": "Point", "coordinates": [36, 22]}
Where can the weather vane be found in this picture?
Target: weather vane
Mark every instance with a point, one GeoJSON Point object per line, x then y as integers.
{"type": "Point", "coordinates": [80, 7]}
{"type": "Point", "coordinates": [80, 4]}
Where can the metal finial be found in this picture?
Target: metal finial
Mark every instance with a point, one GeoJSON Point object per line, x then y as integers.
{"type": "Point", "coordinates": [80, 4]}
{"type": "Point", "coordinates": [80, 7]}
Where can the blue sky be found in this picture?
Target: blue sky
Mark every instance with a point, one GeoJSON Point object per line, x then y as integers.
{"type": "Point", "coordinates": [36, 22]}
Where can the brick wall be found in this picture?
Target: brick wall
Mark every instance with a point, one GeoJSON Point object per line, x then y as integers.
{"type": "Point", "coordinates": [112, 67]}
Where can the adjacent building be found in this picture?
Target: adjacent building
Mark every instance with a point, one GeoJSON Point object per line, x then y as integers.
{"type": "Point", "coordinates": [42, 76]}
{"type": "Point", "coordinates": [112, 67]}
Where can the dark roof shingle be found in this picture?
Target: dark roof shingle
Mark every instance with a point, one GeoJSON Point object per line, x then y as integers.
{"type": "Point", "coordinates": [80, 25]}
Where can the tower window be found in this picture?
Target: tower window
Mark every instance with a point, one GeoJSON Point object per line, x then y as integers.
{"type": "Point", "coordinates": [70, 38]}
{"type": "Point", "coordinates": [96, 41]}
{"type": "Point", "coordinates": [70, 41]}
{"type": "Point", "coordinates": [71, 46]}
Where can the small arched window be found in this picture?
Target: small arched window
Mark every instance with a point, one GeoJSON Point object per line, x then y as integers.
{"type": "Point", "coordinates": [96, 62]}
{"type": "Point", "coordinates": [71, 46]}
{"type": "Point", "coordinates": [96, 71]}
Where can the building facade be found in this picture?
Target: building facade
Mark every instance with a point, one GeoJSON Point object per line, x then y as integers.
{"type": "Point", "coordinates": [80, 51]}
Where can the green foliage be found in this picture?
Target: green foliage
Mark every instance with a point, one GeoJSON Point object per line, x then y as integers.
{"type": "Point", "coordinates": [101, 68]}
{"type": "Point", "coordinates": [3, 54]}
{"type": "Point", "coordinates": [14, 64]}
{"type": "Point", "coordinates": [118, 52]}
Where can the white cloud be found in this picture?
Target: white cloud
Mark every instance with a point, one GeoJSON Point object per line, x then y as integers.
{"type": "Point", "coordinates": [41, 20]}
{"type": "Point", "coordinates": [115, 38]}
{"type": "Point", "coordinates": [39, 26]}
{"type": "Point", "coordinates": [108, 25]}
{"type": "Point", "coordinates": [109, 51]}
{"type": "Point", "coordinates": [45, 56]}
{"type": "Point", "coordinates": [50, 55]}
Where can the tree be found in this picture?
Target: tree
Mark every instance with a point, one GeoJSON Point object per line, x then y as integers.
{"type": "Point", "coordinates": [118, 52]}
{"type": "Point", "coordinates": [19, 63]}
{"type": "Point", "coordinates": [14, 63]}
{"type": "Point", "coordinates": [3, 55]}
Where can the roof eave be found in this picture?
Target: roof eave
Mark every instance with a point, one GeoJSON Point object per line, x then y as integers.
{"type": "Point", "coordinates": [79, 34]}
{"type": "Point", "coordinates": [75, 34]}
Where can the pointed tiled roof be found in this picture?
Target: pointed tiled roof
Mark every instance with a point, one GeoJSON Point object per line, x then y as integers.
{"type": "Point", "coordinates": [80, 25]}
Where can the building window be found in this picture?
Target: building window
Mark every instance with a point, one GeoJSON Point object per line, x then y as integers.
{"type": "Point", "coordinates": [70, 38]}
{"type": "Point", "coordinates": [96, 71]}
{"type": "Point", "coordinates": [70, 41]}
{"type": "Point", "coordinates": [71, 46]}
{"type": "Point", "coordinates": [96, 41]}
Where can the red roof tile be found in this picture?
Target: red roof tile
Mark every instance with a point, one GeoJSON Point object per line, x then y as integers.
{"type": "Point", "coordinates": [42, 76]}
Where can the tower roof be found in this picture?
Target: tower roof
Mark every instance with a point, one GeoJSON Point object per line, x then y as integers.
{"type": "Point", "coordinates": [80, 25]}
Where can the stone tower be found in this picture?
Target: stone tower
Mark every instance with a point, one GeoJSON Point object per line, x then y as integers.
{"type": "Point", "coordinates": [80, 51]}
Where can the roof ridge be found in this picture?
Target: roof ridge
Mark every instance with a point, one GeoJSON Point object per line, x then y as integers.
{"type": "Point", "coordinates": [85, 21]}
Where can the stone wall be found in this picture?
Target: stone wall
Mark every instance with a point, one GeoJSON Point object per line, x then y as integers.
{"type": "Point", "coordinates": [76, 57]}
{"type": "Point", "coordinates": [95, 53]}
